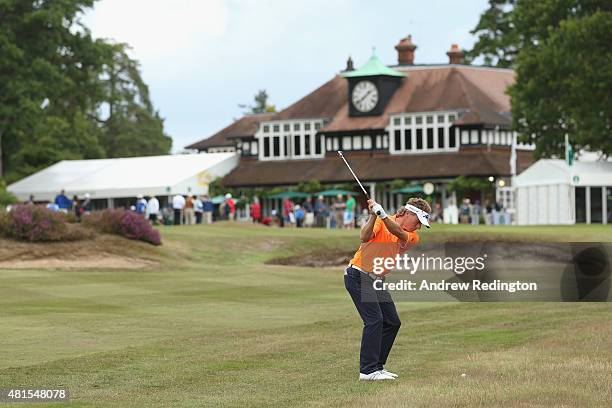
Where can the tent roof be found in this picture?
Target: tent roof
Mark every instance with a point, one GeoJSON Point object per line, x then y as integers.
{"type": "Point", "coordinates": [334, 192]}
{"type": "Point", "coordinates": [554, 171]}
{"type": "Point", "coordinates": [126, 176]}
{"type": "Point", "coordinates": [290, 194]}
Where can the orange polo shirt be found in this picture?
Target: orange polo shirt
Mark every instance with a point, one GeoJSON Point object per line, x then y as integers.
{"type": "Point", "coordinates": [382, 244]}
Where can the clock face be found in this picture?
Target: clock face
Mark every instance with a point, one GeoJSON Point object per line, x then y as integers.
{"type": "Point", "coordinates": [365, 96]}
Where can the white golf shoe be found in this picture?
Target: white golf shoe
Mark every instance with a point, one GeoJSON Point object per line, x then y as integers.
{"type": "Point", "coordinates": [389, 373]}
{"type": "Point", "coordinates": [375, 376]}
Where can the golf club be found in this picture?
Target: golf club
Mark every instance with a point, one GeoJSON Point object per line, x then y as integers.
{"type": "Point", "coordinates": [355, 177]}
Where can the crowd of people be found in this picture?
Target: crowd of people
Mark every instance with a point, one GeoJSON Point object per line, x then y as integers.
{"type": "Point", "coordinates": [77, 206]}
{"type": "Point", "coordinates": [194, 209]}
{"type": "Point", "coordinates": [341, 211]}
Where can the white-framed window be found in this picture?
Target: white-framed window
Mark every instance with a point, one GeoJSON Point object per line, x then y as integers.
{"type": "Point", "coordinates": [356, 142]}
{"type": "Point", "coordinates": [367, 142]}
{"type": "Point", "coordinates": [290, 140]}
{"type": "Point", "coordinates": [422, 131]}
{"type": "Point", "coordinates": [347, 143]}
{"type": "Point", "coordinates": [474, 136]}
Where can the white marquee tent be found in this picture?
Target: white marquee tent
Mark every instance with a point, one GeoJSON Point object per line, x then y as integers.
{"type": "Point", "coordinates": [126, 177]}
{"type": "Point", "coordinates": [551, 192]}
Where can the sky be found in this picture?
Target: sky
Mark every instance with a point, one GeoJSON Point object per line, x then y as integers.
{"type": "Point", "coordinates": [202, 58]}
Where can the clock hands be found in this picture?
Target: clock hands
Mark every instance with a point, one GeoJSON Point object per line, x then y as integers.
{"type": "Point", "coordinates": [364, 96]}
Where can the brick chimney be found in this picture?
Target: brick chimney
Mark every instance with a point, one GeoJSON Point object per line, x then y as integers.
{"type": "Point", "coordinates": [405, 51]}
{"type": "Point", "coordinates": [455, 55]}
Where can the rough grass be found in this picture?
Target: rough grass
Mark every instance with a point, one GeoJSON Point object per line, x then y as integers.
{"type": "Point", "coordinates": [213, 325]}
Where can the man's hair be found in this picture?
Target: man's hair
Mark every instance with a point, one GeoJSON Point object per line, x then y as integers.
{"type": "Point", "coordinates": [420, 204]}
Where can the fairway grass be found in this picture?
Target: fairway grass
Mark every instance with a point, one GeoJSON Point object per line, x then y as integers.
{"type": "Point", "coordinates": [213, 325]}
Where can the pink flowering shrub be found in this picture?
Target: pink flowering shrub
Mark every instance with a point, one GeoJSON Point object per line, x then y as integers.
{"type": "Point", "coordinates": [125, 223]}
{"type": "Point", "coordinates": [38, 224]}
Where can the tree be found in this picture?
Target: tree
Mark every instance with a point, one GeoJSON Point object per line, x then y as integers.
{"type": "Point", "coordinates": [509, 26]}
{"type": "Point", "coordinates": [563, 87]}
{"type": "Point", "coordinates": [132, 127]}
{"type": "Point", "coordinates": [45, 68]}
{"type": "Point", "coordinates": [497, 39]}
{"type": "Point", "coordinates": [562, 63]}
{"type": "Point", "coordinates": [53, 85]}
{"type": "Point", "coordinates": [261, 104]}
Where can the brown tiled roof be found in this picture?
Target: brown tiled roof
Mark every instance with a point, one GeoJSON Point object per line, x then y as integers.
{"type": "Point", "coordinates": [246, 126]}
{"type": "Point", "coordinates": [378, 167]}
{"type": "Point", "coordinates": [323, 102]}
{"type": "Point", "coordinates": [478, 91]}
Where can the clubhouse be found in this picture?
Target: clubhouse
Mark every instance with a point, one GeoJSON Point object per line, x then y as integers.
{"type": "Point", "coordinates": [421, 123]}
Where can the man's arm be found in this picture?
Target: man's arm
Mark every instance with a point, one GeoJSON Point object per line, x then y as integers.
{"type": "Point", "coordinates": [367, 231]}
{"type": "Point", "coordinates": [394, 228]}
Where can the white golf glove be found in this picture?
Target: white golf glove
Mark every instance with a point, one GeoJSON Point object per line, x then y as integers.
{"type": "Point", "coordinates": [379, 210]}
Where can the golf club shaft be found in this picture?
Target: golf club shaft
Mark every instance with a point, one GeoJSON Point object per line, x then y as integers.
{"type": "Point", "coordinates": [355, 177]}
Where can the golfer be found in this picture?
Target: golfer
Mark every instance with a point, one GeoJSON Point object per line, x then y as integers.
{"type": "Point", "coordinates": [383, 235]}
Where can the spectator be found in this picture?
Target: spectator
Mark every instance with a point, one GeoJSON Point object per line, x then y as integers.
{"type": "Point", "coordinates": [349, 212]}
{"type": "Point", "coordinates": [276, 219]}
{"type": "Point", "coordinates": [475, 213]}
{"type": "Point", "coordinates": [256, 210]}
{"type": "Point", "coordinates": [141, 205]}
{"type": "Point", "coordinates": [338, 207]}
{"type": "Point", "coordinates": [63, 202]}
{"type": "Point", "coordinates": [488, 215]}
{"type": "Point", "coordinates": [450, 215]}
{"type": "Point", "coordinates": [189, 210]}
{"type": "Point", "coordinates": [207, 209]}
{"type": "Point", "coordinates": [167, 216]}
{"type": "Point", "coordinates": [497, 208]}
{"type": "Point", "coordinates": [299, 215]}
{"type": "Point", "coordinates": [198, 208]}
{"type": "Point", "coordinates": [320, 211]}
{"type": "Point", "coordinates": [178, 202]}
{"type": "Point", "coordinates": [76, 207]}
{"type": "Point", "coordinates": [231, 207]}
{"type": "Point", "coordinates": [31, 199]}
{"type": "Point", "coordinates": [153, 209]}
{"type": "Point", "coordinates": [309, 219]}
{"type": "Point", "coordinates": [267, 221]}
{"type": "Point", "coordinates": [86, 205]}
{"type": "Point", "coordinates": [50, 206]}
{"type": "Point", "coordinates": [287, 210]}
{"type": "Point", "coordinates": [436, 216]}
{"type": "Point", "coordinates": [464, 212]}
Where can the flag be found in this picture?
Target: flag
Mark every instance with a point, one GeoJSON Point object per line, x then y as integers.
{"type": "Point", "coordinates": [569, 152]}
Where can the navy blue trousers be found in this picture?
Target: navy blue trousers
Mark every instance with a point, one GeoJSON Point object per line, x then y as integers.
{"type": "Point", "coordinates": [380, 320]}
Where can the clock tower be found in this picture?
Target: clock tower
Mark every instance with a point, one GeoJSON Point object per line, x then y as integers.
{"type": "Point", "coordinates": [371, 87]}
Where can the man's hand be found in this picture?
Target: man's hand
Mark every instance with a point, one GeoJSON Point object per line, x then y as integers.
{"type": "Point", "coordinates": [371, 203]}
{"type": "Point", "coordinates": [376, 209]}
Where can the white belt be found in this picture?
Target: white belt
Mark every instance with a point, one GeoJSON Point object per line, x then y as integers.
{"type": "Point", "coordinates": [370, 274]}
